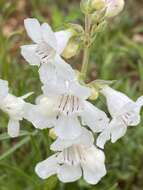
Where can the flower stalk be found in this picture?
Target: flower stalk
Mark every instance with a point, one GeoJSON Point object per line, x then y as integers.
{"type": "Point", "coordinates": [86, 53]}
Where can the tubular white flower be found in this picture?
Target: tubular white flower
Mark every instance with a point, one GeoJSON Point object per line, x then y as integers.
{"type": "Point", "coordinates": [124, 111]}
{"type": "Point", "coordinates": [63, 108]}
{"type": "Point", "coordinates": [13, 106]}
{"type": "Point", "coordinates": [114, 7]}
{"type": "Point", "coordinates": [47, 50]}
{"type": "Point", "coordinates": [70, 160]}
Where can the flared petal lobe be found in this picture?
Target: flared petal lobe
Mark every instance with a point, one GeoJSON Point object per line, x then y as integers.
{"type": "Point", "coordinates": [95, 118]}
{"type": "Point", "coordinates": [33, 29]}
{"type": "Point", "coordinates": [13, 128]}
{"type": "Point", "coordinates": [68, 173]}
{"type": "Point", "coordinates": [47, 167]}
{"type": "Point", "coordinates": [29, 54]}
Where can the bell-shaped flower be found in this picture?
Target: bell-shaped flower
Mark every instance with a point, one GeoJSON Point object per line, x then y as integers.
{"type": "Point", "coordinates": [13, 106]}
{"type": "Point", "coordinates": [71, 161]}
{"type": "Point", "coordinates": [65, 108]}
{"type": "Point", "coordinates": [114, 7]}
{"type": "Point", "coordinates": [124, 111]}
{"type": "Point", "coordinates": [46, 50]}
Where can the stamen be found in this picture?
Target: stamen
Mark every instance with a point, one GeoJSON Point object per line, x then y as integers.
{"type": "Point", "coordinates": [68, 104]}
{"type": "Point", "coordinates": [73, 155]}
{"type": "Point", "coordinates": [65, 103]}
{"type": "Point", "coordinates": [45, 52]}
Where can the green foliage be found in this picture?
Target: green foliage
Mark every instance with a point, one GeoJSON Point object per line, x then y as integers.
{"type": "Point", "coordinates": [116, 55]}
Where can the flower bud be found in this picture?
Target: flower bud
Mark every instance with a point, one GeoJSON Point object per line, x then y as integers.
{"type": "Point", "coordinates": [71, 49]}
{"type": "Point", "coordinates": [114, 7]}
{"type": "Point", "coordinates": [76, 29]}
{"type": "Point", "coordinates": [97, 4]}
{"type": "Point", "coordinates": [90, 6]}
{"type": "Point", "coordinates": [52, 134]}
{"type": "Point", "coordinates": [94, 94]}
{"type": "Point", "coordinates": [85, 6]}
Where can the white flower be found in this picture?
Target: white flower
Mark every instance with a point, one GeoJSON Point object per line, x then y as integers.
{"type": "Point", "coordinates": [47, 50]}
{"type": "Point", "coordinates": [71, 162]}
{"type": "Point", "coordinates": [13, 106]}
{"type": "Point", "coordinates": [124, 111]}
{"type": "Point", "coordinates": [65, 107]}
{"type": "Point", "coordinates": [114, 7]}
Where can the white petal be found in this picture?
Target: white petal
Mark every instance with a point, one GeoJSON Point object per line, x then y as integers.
{"type": "Point", "coordinates": [80, 90]}
{"type": "Point", "coordinates": [68, 173]}
{"type": "Point", "coordinates": [139, 104]}
{"type": "Point", "coordinates": [13, 106]}
{"type": "Point", "coordinates": [33, 29]}
{"type": "Point", "coordinates": [13, 128]}
{"type": "Point", "coordinates": [139, 101]}
{"type": "Point", "coordinates": [49, 36]}
{"type": "Point", "coordinates": [94, 167]}
{"type": "Point", "coordinates": [130, 114]}
{"type": "Point", "coordinates": [68, 127]}
{"type": "Point", "coordinates": [118, 129]}
{"type": "Point", "coordinates": [103, 138]}
{"type": "Point", "coordinates": [94, 118]}
{"type": "Point", "coordinates": [62, 40]}
{"type": "Point", "coordinates": [3, 88]}
{"type": "Point", "coordinates": [54, 88]}
{"type": "Point", "coordinates": [60, 144]}
{"type": "Point", "coordinates": [86, 138]}
{"type": "Point", "coordinates": [39, 98]}
{"type": "Point", "coordinates": [47, 73]}
{"type": "Point", "coordinates": [47, 167]}
{"type": "Point", "coordinates": [63, 69]}
{"type": "Point", "coordinates": [28, 52]}
{"type": "Point", "coordinates": [115, 100]}
{"type": "Point", "coordinates": [34, 115]}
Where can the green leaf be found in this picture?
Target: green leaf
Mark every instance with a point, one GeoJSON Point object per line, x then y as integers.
{"type": "Point", "coordinates": [17, 146]}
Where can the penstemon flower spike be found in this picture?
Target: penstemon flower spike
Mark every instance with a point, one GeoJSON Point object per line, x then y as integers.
{"type": "Point", "coordinates": [64, 104]}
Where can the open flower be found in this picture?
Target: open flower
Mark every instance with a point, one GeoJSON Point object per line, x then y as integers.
{"type": "Point", "coordinates": [114, 7]}
{"type": "Point", "coordinates": [13, 106]}
{"type": "Point", "coordinates": [65, 108]}
{"type": "Point", "coordinates": [47, 50]}
{"type": "Point", "coordinates": [71, 162]}
{"type": "Point", "coordinates": [124, 111]}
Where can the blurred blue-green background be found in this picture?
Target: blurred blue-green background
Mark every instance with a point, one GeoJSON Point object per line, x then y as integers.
{"type": "Point", "coordinates": [116, 55]}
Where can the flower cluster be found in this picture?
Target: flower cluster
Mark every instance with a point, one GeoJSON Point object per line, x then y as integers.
{"type": "Point", "coordinates": [64, 105]}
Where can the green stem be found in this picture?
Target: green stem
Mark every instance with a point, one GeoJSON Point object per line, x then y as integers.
{"type": "Point", "coordinates": [86, 47]}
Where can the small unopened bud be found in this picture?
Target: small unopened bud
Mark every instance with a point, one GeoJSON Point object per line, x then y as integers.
{"type": "Point", "coordinates": [71, 49]}
{"type": "Point", "coordinates": [114, 7]}
{"type": "Point", "coordinates": [97, 4]}
{"type": "Point", "coordinates": [85, 6]}
{"type": "Point", "coordinates": [94, 94]}
{"type": "Point", "coordinates": [90, 6]}
{"type": "Point", "coordinates": [76, 29]}
{"type": "Point", "coordinates": [52, 134]}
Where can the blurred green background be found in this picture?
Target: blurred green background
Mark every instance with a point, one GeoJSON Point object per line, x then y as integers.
{"type": "Point", "coordinates": [116, 55]}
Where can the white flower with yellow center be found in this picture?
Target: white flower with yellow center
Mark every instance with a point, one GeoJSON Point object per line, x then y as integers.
{"type": "Point", "coordinates": [46, 51]}
{"type": "Point", "coordinates": [13, 106]}
{"type": "Point", "coordinates": [65, 108]}
{"type": "Point", "coordinates": [75, 160]}
{"type": "Point", "coordinates": [124, 111]}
